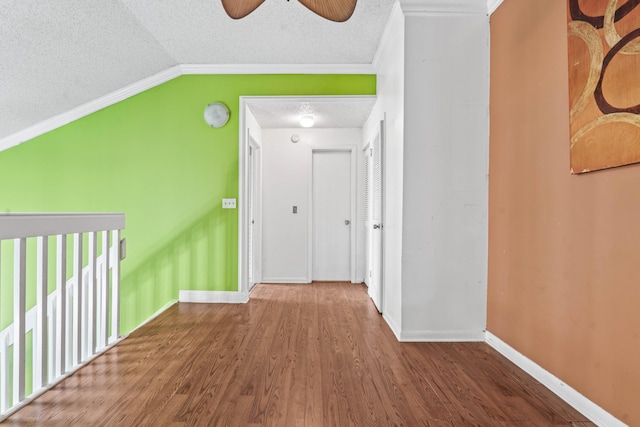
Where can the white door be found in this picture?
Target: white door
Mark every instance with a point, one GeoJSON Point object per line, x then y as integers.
{"type": "Point", "coordinates": [366, 214]}
{"type": "Point", "coordinates": [254, 242]}
{"type": "Point", "coordinates": [331, 215]}
{"type": "Point", "coordinates": [377, 213]}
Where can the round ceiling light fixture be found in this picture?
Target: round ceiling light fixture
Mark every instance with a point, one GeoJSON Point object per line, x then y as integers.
{"type": "Point", "coordinates": [216, 114]}
{"type": "Point", "coordinates": [307, 121]}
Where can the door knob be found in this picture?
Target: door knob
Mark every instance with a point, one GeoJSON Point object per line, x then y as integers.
{"type": "Point", "coordinates": [376, 226]}
{"type": "Point", "coordinates": [347, 222]}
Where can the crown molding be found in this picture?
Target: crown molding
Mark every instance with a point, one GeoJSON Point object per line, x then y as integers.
{"type": "Point", "coordinates": [276, 68]}
{"type": "Point", "coordinates": [431, 7]}
{"type": "Point", "coordinates": [492, 5]}
{"type": "Point", "coordinates": [90, 107]}
{"type": "Point", "coordinates": [119, 95]}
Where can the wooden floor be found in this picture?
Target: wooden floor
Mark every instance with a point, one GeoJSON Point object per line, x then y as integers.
{"type": "Point", "coordinates": [295, 355]}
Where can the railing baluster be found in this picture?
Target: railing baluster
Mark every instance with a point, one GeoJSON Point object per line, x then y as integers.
{"type": "Point", "coordinates": [91, 290]}
{"type": "Point", "coordinates": [115, 287]}
{"type": "Point", "coordinates": [71, 289]}
{"type": "Point", "coordinates": [61, 309]}
{"type": "Point", "coordinates": [105, 291]}
{"type": "Point", "coordinates": [19, 296]}
{"type": "Point", "coordinates": [40, 335]}
{"type": "Point", "coordinates": [51, 333]}
{"type": "Point", "coordinates": [80, 318]}
{"type": "Point", "coordinates": [77, 273]}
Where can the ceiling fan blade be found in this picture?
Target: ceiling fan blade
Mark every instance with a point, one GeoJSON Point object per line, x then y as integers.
{"type": "Point", "coordinates": [237, 9]}
{"type": "Point", "coordinates": [333, 10]}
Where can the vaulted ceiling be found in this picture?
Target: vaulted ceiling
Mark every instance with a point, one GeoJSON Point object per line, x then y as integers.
{"type": "Point", "coordinates": [56, 55]}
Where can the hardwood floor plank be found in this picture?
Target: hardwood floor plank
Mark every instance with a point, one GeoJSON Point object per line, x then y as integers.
{"type": "Point", "coordinates": [296, 355]}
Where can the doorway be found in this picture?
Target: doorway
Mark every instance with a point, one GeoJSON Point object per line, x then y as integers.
{"type": "Point", "coordinates": [284, 253]}
{"type": "Point", "coordinates": [331, 215]}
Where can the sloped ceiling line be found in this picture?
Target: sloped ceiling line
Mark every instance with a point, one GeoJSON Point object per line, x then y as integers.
{"type": "Point", "coordinates": [58, 56]}
{"type": "Point", "coordinates": [64, 60]}
{"type": "Point", "coordinates": [151, 34]}
{"type": "Point", "coordinates": [157, 79]}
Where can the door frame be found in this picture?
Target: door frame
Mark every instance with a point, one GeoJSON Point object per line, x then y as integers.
{"type": "Point", "coordinates": [351, 149]}
{"type": "Point", "coordinates": [243, 214]}
{"type": "Point", "coordinates": [257, 226]}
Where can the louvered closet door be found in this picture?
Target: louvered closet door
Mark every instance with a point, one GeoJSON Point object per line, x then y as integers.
{"type": "Point", "coordinates": [367, 214]}
{"type": "Point", "coordinates": [377, 211]}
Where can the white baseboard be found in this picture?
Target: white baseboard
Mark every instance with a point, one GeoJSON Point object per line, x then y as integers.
{"type": "Point", "coordinates": [156, 314]}
{"type": "Point", "coordinates": [589, 409]}
{"type": "Point", "coordinates": [442, 336]}
{"type": "Point", "coordinates": [285, 280]}
{"type": "Point", "coordinates": [212, 297]}
{"type": "Point", "coordinates": [492, 5]}
{"type": "Point", "coordinates": [395, 328]}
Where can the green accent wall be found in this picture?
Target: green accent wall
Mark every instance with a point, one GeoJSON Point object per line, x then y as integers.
{"type": "Point", "coordinates": [153, 157]}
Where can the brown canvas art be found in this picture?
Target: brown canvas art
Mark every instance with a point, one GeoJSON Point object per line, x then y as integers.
{"type": "Point", "coordinates": [604, 83]}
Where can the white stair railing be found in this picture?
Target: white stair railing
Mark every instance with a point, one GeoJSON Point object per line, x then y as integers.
{"type": "Point", "coordinates": [76, 321]}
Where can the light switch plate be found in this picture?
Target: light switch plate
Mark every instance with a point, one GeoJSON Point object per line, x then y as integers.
{"type": "Point", "coordinates": [228, 203]}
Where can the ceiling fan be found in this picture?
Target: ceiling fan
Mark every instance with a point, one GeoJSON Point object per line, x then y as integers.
{"type": "Point", "coordinates": [333, 10]}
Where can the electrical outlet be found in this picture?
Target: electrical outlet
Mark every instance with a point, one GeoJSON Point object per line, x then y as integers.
{"type": "Point", "coordinates": [228, 203]}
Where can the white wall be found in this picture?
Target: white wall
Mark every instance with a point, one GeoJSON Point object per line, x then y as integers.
{"type": "Point", "coordinates": [432, 72]}
{"type": "Point", "coordinates": [445, 232]}
{"type": "Point", "coordinates": [286, 172]}
{"type": "Point", "coordinates": [389, 67]}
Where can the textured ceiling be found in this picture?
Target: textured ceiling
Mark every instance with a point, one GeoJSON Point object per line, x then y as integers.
{"type": "Point", "coordinates": [347, 112]}
{"type": "Point", "coordinates": [56, 55]}
{"type": "Point", "coordinates": [278, 32]}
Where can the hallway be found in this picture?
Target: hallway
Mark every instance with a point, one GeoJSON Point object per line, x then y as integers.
{"type": "Point", "coordinates": [295, 355]}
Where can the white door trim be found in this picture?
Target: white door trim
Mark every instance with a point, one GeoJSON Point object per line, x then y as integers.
{"type": "Point", "coordinates": [351, 149]}
{"type": "Point", "coordinates": [257, 213]}
{"type": "Point", "coordinates": [245, 101]}
{"type": "Point", "coordinates": [243, 214]}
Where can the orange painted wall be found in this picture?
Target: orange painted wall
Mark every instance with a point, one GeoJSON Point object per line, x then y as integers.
{"type": "Point", "coordinates": [564, 250]}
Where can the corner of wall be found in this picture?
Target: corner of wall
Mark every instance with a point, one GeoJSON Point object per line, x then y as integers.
{"type": "Point", "coordinates": [492, 5]}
